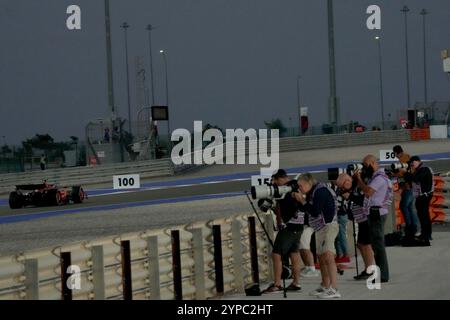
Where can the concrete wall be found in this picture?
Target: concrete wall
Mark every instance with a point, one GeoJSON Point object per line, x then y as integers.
{"type": "Point", "coordinates": [343, 140]}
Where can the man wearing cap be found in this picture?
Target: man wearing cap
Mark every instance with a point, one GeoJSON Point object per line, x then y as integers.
{"type": "Point", "coordinates": [422, 187]}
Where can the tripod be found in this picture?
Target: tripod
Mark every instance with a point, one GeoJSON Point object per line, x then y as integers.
{"type": "Point", "coordinates": [356, 249]}
{"type": "Point", "coordinates": [286, 271]}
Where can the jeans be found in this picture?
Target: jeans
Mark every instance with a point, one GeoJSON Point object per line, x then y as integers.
{"type": "Point", "coordinates": [376, 227]}
{"type": "Point", "coordinates": [341, 240]}
{"type": "Point", "coordinates": [406, 206]}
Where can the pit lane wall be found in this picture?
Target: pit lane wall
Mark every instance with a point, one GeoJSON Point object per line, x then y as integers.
{"type": "Point", "coordinates": [196, 261]}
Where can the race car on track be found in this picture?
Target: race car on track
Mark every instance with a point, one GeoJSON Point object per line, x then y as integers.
{"type": "Point", "coordinates": [45, 195]}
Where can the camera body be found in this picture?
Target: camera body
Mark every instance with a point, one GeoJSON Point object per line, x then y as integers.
{"type": "Point", "coordinates": [266, 204]}
{"type": "Point", "coordinates": [273, 191]}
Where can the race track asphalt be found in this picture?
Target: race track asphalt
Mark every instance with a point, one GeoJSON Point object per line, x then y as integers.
{"type": "Point", "coordinates": [161, 204]}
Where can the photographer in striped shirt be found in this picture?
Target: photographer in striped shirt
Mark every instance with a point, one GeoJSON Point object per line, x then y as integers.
{"type": "Point", "coordinates": [378, 194]}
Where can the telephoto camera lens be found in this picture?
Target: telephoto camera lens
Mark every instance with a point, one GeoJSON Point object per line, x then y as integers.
{"type": "Point", "coordinates": [262, 192]}
{"type": "Point", "coordinates": [398, 166]}
{"type": "Point", "coordinates": [333, 173]}
{"type": "Point", "coordinates": [271, 192]}
{"type": "Point", "coordinates": [351, 168]}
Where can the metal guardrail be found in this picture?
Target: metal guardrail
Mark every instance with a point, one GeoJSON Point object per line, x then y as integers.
{"type": "Point", "coordinates": [105, 273]}
{"type": "Point", "coordinates": [88, 169]}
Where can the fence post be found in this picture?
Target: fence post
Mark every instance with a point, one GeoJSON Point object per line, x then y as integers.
{"type": "Point", "coordinates": [238, 261]}
{"type": "Point", "coordinates": [65, 260]}
{"type": "Point", "coordinates": [268, 224]}
{"type": "Point", "coordinates": [126, 270]}
{"type": "Point", "coordinates": [32, 279]}
{"type": "Point", "coordinates": [218, 263]}
{"type": "Point", "coordinates": [176, 265]}
{"type": "Point", "coordinates": [98, 273]}
{"type": "Point", "coordinates": [394, 217]}
{"type": "Point", "coordinates": [253, 249]}
{"type": "Point", "coordinates": [199, 263]}
{"type": "Point", "coordinates": [153, 267]}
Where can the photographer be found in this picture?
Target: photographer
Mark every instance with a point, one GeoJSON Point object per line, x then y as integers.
{"type": "Point", "coordinates": [341, 241]}
{"type": "Point", "coordinates": [378, 198]}
{"type": "Point", "coordinates": [407, 198]}
{"type": "Point", "coordinates": [288, 237]}
{"type": "Point", "coordinates": [319, 202]}
{"type": "Point", "coordinates": [349, 190]}
{"type": "Point", "coordinates": [422, 188]}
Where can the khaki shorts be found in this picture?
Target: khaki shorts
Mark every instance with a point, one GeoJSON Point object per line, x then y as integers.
{"type": "Point", "coordinates": [325, 238]}
{"type": "Point", "coordinates": [305, 238]}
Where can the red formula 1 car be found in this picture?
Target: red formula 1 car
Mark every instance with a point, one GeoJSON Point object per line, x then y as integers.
{"type": "Point", "coordinates": [45, 195]}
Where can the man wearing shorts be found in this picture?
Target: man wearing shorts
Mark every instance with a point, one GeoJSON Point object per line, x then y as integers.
{"type": "Point", "coordinates": [305, 252]}
{"type": "Point", "coordinates": [287, 239]}
{"type": "Point", "coordinates": [349, 191]}
{"type": "Point", "coordinates": [319, 202]}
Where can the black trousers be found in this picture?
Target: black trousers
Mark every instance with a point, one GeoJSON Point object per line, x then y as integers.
{"type": "Point", "coordinates": [422, 206]}
{"type": "Point", "coordinates": [376, 227]}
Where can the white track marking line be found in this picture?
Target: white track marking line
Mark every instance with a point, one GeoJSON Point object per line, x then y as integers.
{"type": "Point", "coordinates": [217, 182]}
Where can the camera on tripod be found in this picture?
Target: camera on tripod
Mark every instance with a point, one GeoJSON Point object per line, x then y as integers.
{"type": "Point", "coordinates": [273, 191]}
{"type": "Point", "coordinates": [333, 173]}
{"type": "Point", "coordinates": [266, 204]}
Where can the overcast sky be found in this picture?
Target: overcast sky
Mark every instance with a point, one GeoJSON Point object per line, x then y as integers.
{"type": "Point", "coordinates": [233, 63]}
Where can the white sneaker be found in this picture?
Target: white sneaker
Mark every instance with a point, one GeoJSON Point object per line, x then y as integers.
{"type": "Point", "coordinates": [309, 273]}
{"type": "Point", "coordinates": [329, 293]}
{"type": "Point", "coordinates": [320, 290]}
